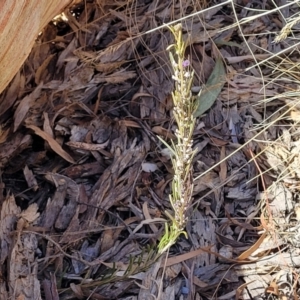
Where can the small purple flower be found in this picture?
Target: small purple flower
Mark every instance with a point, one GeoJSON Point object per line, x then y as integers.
{"type": "Point", "coordinates": [186, 63]}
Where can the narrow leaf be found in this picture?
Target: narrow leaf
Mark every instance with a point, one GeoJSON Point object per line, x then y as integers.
{"type": "Point", "coordinates": [54, 145]}
{"type": "Point", "coordinates": [253, 248]}
{"type": "Point", "coordinates": [213, 87]}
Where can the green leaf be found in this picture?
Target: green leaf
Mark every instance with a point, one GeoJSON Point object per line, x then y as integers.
{"type": "Point", "coordinates": [208, 95]}
{"type": "Point", "coordinates": [168, 146]}
{"type": "Point", "coordinates": [230, 44]}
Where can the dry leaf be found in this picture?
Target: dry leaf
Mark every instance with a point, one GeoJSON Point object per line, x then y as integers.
{"type": "Point", "coordinates": [47, 127]}
{"type": "Point", "coordinates": [166, 134]}
{"type": "Point", "coordinates": [223, 165]}
{"type": "Point", "coordinates": [24, 107]}
{"type": "Point", "coordinates": [180, 258]}
{"type": "Point", "coordinates": [8, 219]}
{"type": "Point", "coordinates": [11, 93]}
{"type": "Point", "coordinates": [31, 213]}
{"type": "Point", "coordinates": [4, 134]}
{"type": "Point", "coordinates": [52, 143]}
{"type": "Point", "coordinates": [29, 176]}
{"type": "Point", "coordinates": [240, 289]}
{"type": "Point", "coordinates": [253, 248]}
{"type": "Point", "coordinates": [117, 77]}
{"type": "Point", "coordinates": [43, 69]}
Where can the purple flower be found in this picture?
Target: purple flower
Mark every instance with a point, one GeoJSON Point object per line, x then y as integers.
{"type": "Point", "coordinates": [186, 63]}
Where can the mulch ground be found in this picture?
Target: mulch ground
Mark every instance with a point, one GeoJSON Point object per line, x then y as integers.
{"type": "Point", "coordinates": [85, 180]}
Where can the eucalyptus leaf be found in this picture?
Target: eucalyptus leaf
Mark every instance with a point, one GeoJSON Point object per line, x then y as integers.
{"type": "Point", "coordinates": [230, 44]}
{"type": "Point", "coordinates": [206, 98]}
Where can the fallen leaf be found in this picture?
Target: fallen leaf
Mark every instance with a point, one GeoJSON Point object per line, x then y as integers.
{"type": "Point", "coordinates": [24, 107]}
{"type": "Point", "coordinates": [180, 258]}
{"type": "Point", "coordinates": [253, 248]}
{"type": "Point", "coordinates": [31, 180]}
{"type": "Point", "coordinates": [167, 134]}
{"type": "Point", "coordinates": [31, 213]}
{"type": "Point", "coordinates": [273, 289]}
{"type": "Point", "coordinates": [3, 134]}
{"type": "Point", "coordinates": [240, 289]}
{"type": "Point", "coordinates": [52, 143]}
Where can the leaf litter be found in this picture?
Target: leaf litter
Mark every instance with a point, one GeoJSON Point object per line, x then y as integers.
{"type": "Point", "coordinates": [85, 180]}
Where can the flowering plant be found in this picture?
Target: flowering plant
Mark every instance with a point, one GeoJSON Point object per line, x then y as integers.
{"type": "Point", "coordinates": [183, 154]}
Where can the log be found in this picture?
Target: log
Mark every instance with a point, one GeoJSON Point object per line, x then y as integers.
{"type": "Point", "coordinates": [20, 23]}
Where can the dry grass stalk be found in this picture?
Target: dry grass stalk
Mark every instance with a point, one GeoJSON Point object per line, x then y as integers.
{"type": "Point", "coordinates": [286, 30]}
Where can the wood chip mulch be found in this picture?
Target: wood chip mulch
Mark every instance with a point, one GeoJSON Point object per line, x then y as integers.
{"type": "Point", "coordinates": [85, 180]}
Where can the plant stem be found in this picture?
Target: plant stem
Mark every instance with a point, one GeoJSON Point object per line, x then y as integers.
{"type": "Point", "coordinates": [184, 107]}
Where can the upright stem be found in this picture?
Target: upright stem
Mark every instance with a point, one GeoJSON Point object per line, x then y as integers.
{"type": "Point", "coordinates": [184, 106]}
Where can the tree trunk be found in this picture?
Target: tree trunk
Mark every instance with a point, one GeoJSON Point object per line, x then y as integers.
{"type": "Point", "coordinates": [20, 23]}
